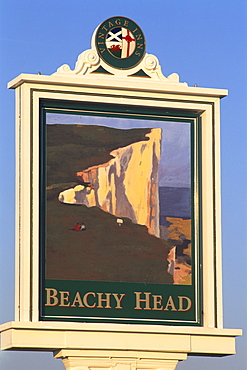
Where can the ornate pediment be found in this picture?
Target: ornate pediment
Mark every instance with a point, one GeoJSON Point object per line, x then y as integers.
{"type": "Point", "coordinates": [118, 50]}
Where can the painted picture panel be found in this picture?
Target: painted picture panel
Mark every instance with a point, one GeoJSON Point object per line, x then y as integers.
{"type": "Point", "coordinates": [118, 214]}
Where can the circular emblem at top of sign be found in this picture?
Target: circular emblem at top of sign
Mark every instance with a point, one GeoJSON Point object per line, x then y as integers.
{"type": "Point", "coordinates": [120, 42]}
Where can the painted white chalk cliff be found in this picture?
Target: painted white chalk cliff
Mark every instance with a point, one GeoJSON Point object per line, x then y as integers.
{"type": "Point", "coordinates": [126, 186]}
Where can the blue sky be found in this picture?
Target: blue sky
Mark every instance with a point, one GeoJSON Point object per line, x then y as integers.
{"type": "Point", "coordinates": [205, 42]}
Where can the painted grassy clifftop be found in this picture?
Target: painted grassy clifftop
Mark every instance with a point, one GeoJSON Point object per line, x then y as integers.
{"type": "Point", "coordinates": [103, 250]}
{"type": "Point", "coordinates": [72, 148]}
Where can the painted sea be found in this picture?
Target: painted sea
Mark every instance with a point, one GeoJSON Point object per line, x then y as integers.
{"type": "Point", "coordinates": [174, 202]}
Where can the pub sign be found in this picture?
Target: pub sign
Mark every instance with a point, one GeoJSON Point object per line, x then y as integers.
{"type": "Point", "coordinates": [114, 227]}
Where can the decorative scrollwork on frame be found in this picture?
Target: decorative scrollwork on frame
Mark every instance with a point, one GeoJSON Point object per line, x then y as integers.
{"type": "Point", "coordinates": [89, 61]}
{"type": "Point", "coordinates": [91, 57]}
{"type": "Point", "coordinates": [65, 68]}
{"type": "Point", "coordinates": [86, 60]}
{"type": "Point", "coordinates": [151, 62]}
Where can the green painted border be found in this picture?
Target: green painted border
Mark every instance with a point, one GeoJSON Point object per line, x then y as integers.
{"type": "Point", "coordinates": [109, 110]}
{"type": "Point", "coordinates": [42, 209]}
{"type": "Point", "coordinates": [128, 313]}
{"type": "Point", "coordinates": [140, 73]}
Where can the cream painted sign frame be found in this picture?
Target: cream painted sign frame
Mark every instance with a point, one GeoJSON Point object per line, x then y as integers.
{"type": "Point", "coordinates": [104, 344]}
{"type": "Point", "coordinates": [28, 233]}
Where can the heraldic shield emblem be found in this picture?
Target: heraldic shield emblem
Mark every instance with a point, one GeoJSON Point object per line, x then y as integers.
{"type": "Point", "coordinates": [120, 42]}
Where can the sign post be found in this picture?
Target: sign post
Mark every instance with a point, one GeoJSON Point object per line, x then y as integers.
{"type": "Point", "coordinates": [118, 236]}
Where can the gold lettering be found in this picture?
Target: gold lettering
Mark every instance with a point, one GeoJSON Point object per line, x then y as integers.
{"type": "Point", "coordinates": [107, 300]}
{"type": "Point", "coordinates": [126, 23]}
{"type": "Point", "coordinates": [118, 300]}
{"type": "Point", "coordinates": [139, 46]}
{"type": "Point", "coordinates": [170, 303]}
{"type": "Point", "coordinates": [104, 28]}
{"type": "Point", "coordinates": [85, 300]}
{"type": "Point", "coordinates": [157, 301]}
{"type": "Point", "coordinates": [51, 295]}
{"type": "Point", "coordinates": [77, 299]}
{"type": "Point", "coordinates": [110, 24]}
{"type": "Point", "coordinates": [64, 297]}
{"type": "Point", "coordinates": [181, 304]}
{"type": "Point", "coordinates": [139, 37]}
{"type": "Point", "coordinates": [102, 50]}
{"type": "Point", "coordinates": [139, 300]}
{"type": "Point", "coordinates": [118, 22]}
{"type": "Point", "coordinates": [137, 53]}
{"type": "Point", "coordinates": [101, 35]}
{"type": "Point", "coordinates": [135, 30]}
